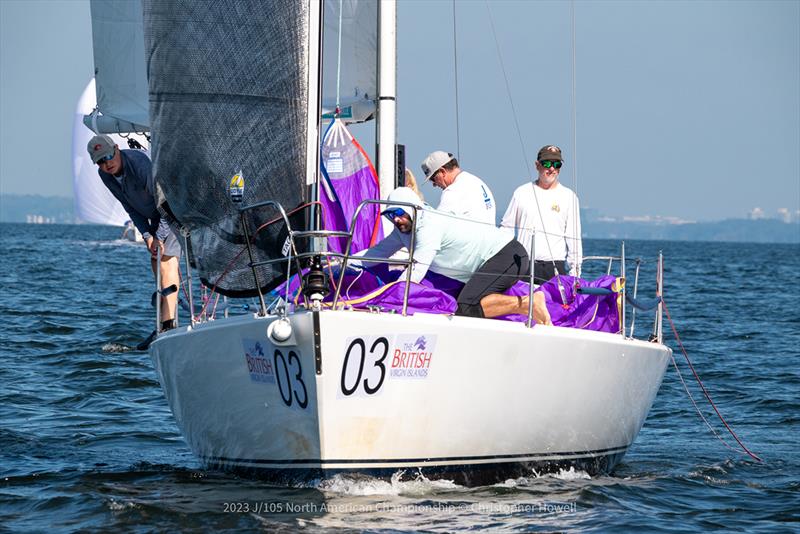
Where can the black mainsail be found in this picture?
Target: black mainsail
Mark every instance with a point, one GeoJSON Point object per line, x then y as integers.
{"type": "Point", "coordinates": [231, 90]}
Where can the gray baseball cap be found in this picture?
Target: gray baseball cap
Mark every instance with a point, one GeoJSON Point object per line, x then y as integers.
{"type": "Point", "coordinates": [99, 147]}
{"type": "Point", "coordinates": [434, 162]}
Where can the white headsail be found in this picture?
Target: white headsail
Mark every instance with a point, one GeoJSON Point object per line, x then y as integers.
{"type": "Point", "coordinates": [352, 62]}
{"type": "Point", "coordinates": [119, 66]}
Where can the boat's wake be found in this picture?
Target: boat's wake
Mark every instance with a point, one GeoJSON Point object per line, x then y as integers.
{"type": "Point", "coordinates": [355, 484]}
{"type": "Point", "coordinates": [416, 483]}
{"type": "Point", "coordinates": [563, 474]}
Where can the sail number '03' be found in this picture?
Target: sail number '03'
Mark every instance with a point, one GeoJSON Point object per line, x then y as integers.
{"type": "Point", "coordinates": [290, 393]}
{"type": "Point", "coordinates": [380, 347]}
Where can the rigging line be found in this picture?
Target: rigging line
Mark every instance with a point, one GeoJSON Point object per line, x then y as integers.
{"type": "Point", "coordinates": [697, 408]}
{"type": "Point", "coordinates": [574, 113]}
{"type": "Point", "coordinates": [702, 387]}
{"type": "Point", "coordinates": [455, 65]}
{"type": "Point", "coordinates": [516, 124]}
{"type": "Point", "coordinates": [339, 59]}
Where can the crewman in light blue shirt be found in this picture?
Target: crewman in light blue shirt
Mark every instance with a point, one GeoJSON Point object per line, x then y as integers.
{"type": "Point", "coordinates": [487, 259]}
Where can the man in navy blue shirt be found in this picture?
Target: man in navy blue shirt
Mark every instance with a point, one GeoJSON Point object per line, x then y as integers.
{"type": "Point", "coordinates": [128, 174]}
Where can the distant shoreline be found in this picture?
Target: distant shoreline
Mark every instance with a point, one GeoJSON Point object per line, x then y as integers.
{"type": "Point", "coordinates": [40, 209]}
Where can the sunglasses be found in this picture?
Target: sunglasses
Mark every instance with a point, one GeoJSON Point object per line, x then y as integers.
{"type": "Point", "coordinates": [548, 163]}
{"type": "Point", "coordinates": [107, 158]}
{"type": "Point", "coordinates": [393, 213]}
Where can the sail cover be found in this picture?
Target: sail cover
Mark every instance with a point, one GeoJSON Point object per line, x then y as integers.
{"type": "Point", "coordinates": [119, 67]}
{"type": "Point", "coordinates": [229, 95]}
{"type": "Point", "coordinates": [350, 56]}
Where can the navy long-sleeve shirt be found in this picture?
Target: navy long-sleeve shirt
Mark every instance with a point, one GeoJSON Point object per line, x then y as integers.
{"type": "Point", "coordinates": [136, 192]}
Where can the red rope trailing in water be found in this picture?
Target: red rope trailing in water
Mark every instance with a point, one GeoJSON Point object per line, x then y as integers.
{"type": "Point", "coordinates": [705, 392]}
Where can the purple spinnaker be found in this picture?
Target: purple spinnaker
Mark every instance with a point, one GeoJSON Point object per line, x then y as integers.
{"type": "Point", "coordinates": [348, 179]}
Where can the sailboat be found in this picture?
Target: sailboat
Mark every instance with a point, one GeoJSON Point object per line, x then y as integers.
{"type": "Point", "coordinates": [309, 385]}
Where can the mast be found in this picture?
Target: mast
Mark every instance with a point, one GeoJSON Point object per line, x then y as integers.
{"type": "Point", "coordinates": [386, 124]}
{"type": "Point", "coordinates": [313, 116]}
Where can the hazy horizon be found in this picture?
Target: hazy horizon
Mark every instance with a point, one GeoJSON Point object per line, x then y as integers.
{"type": "Point", "coordinates": [684, 109]}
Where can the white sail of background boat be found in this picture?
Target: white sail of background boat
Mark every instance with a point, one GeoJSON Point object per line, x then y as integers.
{"type": "Point", "coordinates": [93, 202]}
{"type": "Point", "coordinates": [304, 391]}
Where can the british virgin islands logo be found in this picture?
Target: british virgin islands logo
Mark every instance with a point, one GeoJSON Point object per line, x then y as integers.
{"type": "Point", "coordinates": [258, 365]}
{"type": "Point", "coordinates": [412, 356]}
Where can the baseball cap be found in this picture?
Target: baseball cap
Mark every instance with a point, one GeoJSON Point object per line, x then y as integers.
{"type": "Point", "coordinates": [99, 147]}
{"type": "Point", "coordinates": [549, 152]}
{"type": "Point", "coordinates": [403, 194]}
{"type": "Point", "coordinates": [434, 162]}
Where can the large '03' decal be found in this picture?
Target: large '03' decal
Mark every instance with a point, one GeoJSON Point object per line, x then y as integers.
{"type": "Point", "coordinates": [369, 361]}
{"type": "Point", "coordinates": [365, 366]}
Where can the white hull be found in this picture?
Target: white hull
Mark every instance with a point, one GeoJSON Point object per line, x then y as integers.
{"type": "Point", "coordinates": [484, 401]}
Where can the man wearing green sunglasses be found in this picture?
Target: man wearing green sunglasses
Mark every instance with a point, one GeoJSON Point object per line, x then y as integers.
{"type": "Point", "coordinates": [552, 211]}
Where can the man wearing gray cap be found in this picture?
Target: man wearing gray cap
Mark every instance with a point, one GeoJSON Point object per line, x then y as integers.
{"type": "Point", "coordinates": [552, 211]}
{"type": "Point", "coordinates": [463, 194]}
{"type": "Point", "coordinates": [128, 174]}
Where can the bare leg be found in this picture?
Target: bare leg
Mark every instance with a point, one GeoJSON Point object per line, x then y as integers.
{"type": "Point", "coordinates": [169, 276]}
{"type": "Point", "coordinates": [495, 305]}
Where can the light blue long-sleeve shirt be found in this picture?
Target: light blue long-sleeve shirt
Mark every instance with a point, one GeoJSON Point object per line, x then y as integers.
{"type": "Point", "coordinates": [449, 246]}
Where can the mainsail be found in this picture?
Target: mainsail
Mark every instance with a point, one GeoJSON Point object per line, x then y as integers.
{"type": "Point", "coordinates": [232, 92]}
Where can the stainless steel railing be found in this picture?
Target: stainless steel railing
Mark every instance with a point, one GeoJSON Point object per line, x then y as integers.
{"type": "Point", "coordinates": [347, 257]}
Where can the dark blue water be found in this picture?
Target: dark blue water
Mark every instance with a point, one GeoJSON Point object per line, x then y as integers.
{"type": "Point", "coordinates": [87, 441]}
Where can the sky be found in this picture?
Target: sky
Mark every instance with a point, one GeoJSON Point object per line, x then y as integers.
{"type": "Point", "coordinates": [689, 110]}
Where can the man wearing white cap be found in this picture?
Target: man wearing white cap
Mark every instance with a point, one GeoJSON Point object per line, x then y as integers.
{"type": "Point", "coordinates": [487, 259]}
{"type": "Point", "coordinates": [128, 174]}
{"type": "Point", "coordinates": [552, 211]}
{"type": "Point", "coordinates": [463, 194]}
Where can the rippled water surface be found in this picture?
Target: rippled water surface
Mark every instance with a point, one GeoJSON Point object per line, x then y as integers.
{"type": "Point", "coordinates": [87, 441]}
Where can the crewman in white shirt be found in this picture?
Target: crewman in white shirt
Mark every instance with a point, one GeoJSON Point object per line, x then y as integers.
{"type": "Point", "coordinates": [553, 211]}
{"type": "Point", "coordinates": [487, 259]}
{"type": "Point", "coordinates": [463, 194]}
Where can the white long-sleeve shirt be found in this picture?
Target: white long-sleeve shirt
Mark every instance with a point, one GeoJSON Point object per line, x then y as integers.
{"type": "Point", "coordinates": [452, 247]}
{"type": "Point", "coordinates": [469, 198]}
{"type": "Point", "coordinates": [558, 230]}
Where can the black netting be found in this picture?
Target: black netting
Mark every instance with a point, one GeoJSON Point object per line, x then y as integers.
{"type": "Point", "coordinates": [228, 93]}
